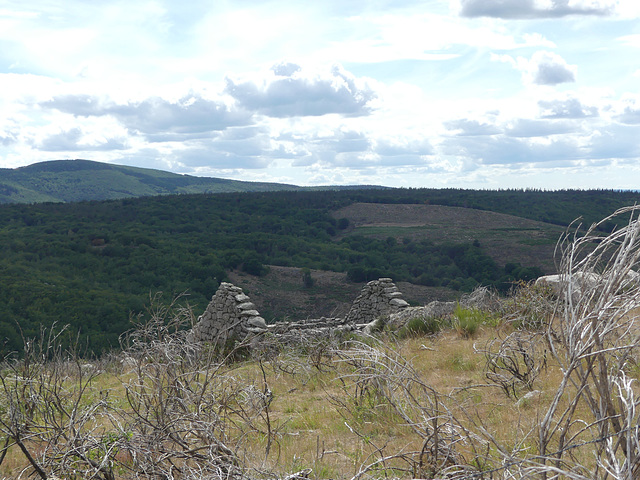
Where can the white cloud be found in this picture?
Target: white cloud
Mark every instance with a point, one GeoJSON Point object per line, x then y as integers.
{"type": "Point", "coordinates": [467, 127]}
{"type": "Point", "coordinates": [528, 9]}
{"type": "Point", "coordinates": [616, 142]}
{"type": "Point", "coordinates": [630, 110]}
{"type": "Point", "coordinates": [75, 140]}
{"type": "Point", "coordinates": [543, 68]}
{"type": "Point", "coordinates": [539, 128]}
{"type": "Point", "coordinates": [570, 133]}
{"type": "Point", "coordinates": [504, 150]}
{"type": "Point", "coordinates": [7, 138]}
{"type": "Point", "coordinates": [154, 116]}
{"type": "Point", "coordinates": [246, 89]}
{"type": "Point", "coordinates": [566, 108]}
{"type": "Point", "coordinates": [403, 147]}
{"type": "Point", "coordinates": [547, 68]}
{"type": "Point", "coordinates": [630, 40]}
{"type": "Point", "coordinates": [332, 92]}
{"type": "Point", "coordinates": [427, 37]}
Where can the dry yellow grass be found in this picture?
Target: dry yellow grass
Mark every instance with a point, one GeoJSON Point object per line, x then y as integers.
{"type": "Point", "coordinates": [316, 422]}
{"type": "Point", "coordinates": [315, 432]}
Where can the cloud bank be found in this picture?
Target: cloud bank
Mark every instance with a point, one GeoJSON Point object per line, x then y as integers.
{"type": "Point", "coordinates": [472, 93]}
{"type": "Point", "coordinates": [290, 94]}
{"type": "Point", "coordinates": [191, 114]}
{"type": "Point", "coordinates": [532, 9]}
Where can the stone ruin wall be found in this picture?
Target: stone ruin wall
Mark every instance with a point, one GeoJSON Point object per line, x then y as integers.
{"type": "Point", "coordinates": [378, 298]}
{"type": "Point", "coordinates": [231, 316]}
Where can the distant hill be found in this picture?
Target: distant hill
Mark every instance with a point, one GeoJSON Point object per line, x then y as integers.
{"type": "Point", "coordinates": [78, 180]}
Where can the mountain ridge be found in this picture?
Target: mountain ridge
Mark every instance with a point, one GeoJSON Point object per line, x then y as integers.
{"type": "Point", "coordinates": [79, 180]}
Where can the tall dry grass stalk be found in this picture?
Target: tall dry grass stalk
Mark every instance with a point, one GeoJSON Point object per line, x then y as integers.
{"type": "Point", "coordinates": [594, 341]}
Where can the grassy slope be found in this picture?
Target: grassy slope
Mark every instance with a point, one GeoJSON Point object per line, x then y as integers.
{"type": "Point", "coordinates": [505, 238]}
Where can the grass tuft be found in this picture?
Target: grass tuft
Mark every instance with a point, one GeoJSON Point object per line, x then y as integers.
{"type": "Point", "coordinates": [421, 326]}
{"type": "Point", "coordinates": [467, 321]}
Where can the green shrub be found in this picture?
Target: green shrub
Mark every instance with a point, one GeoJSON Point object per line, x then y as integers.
{"type": "Point", "coordinates": [421, 326]}
{"type": "Point", "coordinates": [467, 321]}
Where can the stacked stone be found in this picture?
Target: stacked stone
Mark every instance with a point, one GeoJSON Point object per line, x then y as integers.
{"type": "Point", "coordinates": [229, 316]}
{"type": "Point", "coordinates": [316, 324]}
{"type": "Point", "coordinates": [297, 332]}
{"type": "Point", "coordinates": [378, 298]}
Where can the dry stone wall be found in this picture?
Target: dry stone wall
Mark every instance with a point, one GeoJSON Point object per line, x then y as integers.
{"type": "Point", "coordinates": [230, 316]}
{"type": "Point", "coordinates": [378, 298]}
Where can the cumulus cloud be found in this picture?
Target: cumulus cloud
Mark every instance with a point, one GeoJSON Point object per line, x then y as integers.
{"type": "Point", "coordinates": [399, 147]}
{"type": "Point", "coordinates": [80, 105]}
{"type": "Point", "coordinates": [465, 127]}
{"type": "Point", "coordinates": [75, 139]}
{"type": "Point", "coordinates": [527, 9]}
{"type": "Point", "coordinates": [556, 142]}
{"type": "Point", "coordinates": [204, 156]}
{"type": "Point", "coordinates": [338, 147]}
{"type": "Point", "coordinates": [539, 128]}
{"type": "Point", "coordinates": [235, 148]}
{"type": "Point", "coordinates": [630, 114]}
{"type": "Point", "coordinates": [547, 68]}
{"type": "Point", "coordinates": [190, 115]}
{"type": "Point", "coordinates": [7, 138]}
{"type": "Point", "coordinates": [346, 141]}
{"type": "Point", "coordinates": [567, 108]}
{"type": "Point", "coordinates": [286, 69]}
{"type": "Point", "coordinates": [356, 150]}
{"type": "Point", "coordinates": [400, 152]}
{"type": "Point", "coordinates": [543, 68]}
{"type": "Point", "coordinates": [505, 150]}
{"type": "Point", "coordinates": [291, 94]}
{"type": "Point", "coordinates": [616, 142]}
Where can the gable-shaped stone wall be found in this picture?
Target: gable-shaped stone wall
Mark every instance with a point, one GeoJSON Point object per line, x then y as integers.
{"type": "Point", "coordinates": [231, 316]}
{"type": "Point", "coordinates": [378, 298]}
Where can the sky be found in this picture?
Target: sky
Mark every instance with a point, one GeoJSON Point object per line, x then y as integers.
{"type": "Point", "coordinates": [484, 94]}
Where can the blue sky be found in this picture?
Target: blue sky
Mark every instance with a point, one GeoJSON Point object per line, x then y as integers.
{"type": "Point", "coordinates": [437, 93]}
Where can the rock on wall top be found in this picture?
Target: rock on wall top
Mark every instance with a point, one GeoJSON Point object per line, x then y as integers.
{"type": "Point", "coordinates": [377, 298]}
{"type": "Point", "coordinates": [229, 316]}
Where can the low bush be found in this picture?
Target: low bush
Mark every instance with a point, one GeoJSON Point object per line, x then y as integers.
{"type": "Point", "coordinates": [421, 326]}
{"type": "Point", "coordinates": [467, 321]}
{"type": "Point", "coordinates": [529, 306]}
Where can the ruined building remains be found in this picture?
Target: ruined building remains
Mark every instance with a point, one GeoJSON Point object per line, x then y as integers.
{"type": "Point", "coordinates": [378, 298]}
{"type": "Point", "coordinates": [231, 316]}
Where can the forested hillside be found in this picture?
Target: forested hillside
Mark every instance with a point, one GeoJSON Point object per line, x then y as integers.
{"type": "Point", "coordinates": [91, 264]}
{"type": "Point", "coordinates": [77, 180]}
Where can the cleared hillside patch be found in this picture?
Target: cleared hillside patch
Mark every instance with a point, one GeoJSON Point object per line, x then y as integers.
{"type": "Point", "coordinates": [506, 238]}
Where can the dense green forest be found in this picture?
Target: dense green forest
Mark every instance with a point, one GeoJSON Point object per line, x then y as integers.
{"type": "Point", "coordinates": [91, 264]}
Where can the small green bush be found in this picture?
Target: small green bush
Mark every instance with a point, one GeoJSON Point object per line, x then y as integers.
{"type": "Point", "coordinates": [467, 321]}
{"type": "Point", "coordinates": [421, 326]}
